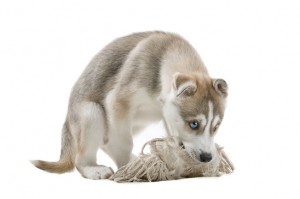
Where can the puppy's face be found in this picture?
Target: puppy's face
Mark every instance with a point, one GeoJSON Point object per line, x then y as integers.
{"type": "Point", "coordinates": [194, 113]}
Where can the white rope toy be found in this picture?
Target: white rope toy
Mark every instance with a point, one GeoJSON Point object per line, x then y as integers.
{"type": "Point", "coordinates": [168, 161]}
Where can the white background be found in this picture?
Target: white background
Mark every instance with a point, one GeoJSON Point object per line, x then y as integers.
{"type": "Point", "coordinates": [253, 45]}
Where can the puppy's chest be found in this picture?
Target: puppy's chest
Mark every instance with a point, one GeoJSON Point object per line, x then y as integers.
{"type": "Point", "coordinates": [145, 109]}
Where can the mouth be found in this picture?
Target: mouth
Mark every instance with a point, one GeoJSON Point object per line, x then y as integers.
{"type": "Point", "coordinates": [190, 154]}
{"type": "Point", "coordinates": [181, 145]}
{"type": "Point", "coordinates": [202, 158]}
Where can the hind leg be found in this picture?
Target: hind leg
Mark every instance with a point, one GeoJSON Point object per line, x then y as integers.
{"type": "Point", "coordinates": [91, 135]}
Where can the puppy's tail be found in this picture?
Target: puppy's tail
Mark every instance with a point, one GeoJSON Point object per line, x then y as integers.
{"type": "Point", "coordinates": [67, 157]}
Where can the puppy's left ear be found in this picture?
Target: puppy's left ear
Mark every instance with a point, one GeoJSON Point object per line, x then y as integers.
{"type": "Point", "coordinates": [220, 87]}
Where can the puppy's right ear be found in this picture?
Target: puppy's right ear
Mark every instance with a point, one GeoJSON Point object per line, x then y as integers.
{"type": "Point", "coordinates": [184, 85]}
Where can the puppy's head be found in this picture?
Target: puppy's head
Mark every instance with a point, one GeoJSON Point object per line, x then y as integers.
{"type": "Point", "coordinates": [194, 111]}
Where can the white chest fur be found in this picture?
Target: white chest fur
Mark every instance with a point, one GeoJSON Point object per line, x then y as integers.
{"type": "Point", "coordinates": [145, 109]}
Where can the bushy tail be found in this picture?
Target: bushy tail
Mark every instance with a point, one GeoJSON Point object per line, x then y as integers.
{"type": "Point", "coordinates": [67, 157]}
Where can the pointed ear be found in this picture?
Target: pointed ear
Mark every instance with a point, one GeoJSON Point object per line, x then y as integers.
{"type": "Point", "coordinates": [220, 87]}
{"type": "Point", "coordinates": [184, 85]}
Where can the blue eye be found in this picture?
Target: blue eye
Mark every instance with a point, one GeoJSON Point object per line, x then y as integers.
{"type": "Point", "coordinates": [194, 125]}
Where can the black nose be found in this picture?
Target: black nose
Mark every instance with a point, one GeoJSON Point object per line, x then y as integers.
{"type": "Point", "coordinates": [205, 157]}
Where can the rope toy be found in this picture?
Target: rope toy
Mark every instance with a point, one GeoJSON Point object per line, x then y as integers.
{"type": "Point", "coordinates": [169, 161]}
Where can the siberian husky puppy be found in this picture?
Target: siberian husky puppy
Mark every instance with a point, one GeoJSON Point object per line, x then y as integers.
{"type": "Point", "coordinates": [134, 81]}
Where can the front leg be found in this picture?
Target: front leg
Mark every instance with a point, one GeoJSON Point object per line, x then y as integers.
{"type": "Point", "coordinates": [120, 144]}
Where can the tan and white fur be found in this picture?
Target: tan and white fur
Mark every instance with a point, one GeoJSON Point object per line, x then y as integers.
{"type": "Point", "coordinates": [132, 82]}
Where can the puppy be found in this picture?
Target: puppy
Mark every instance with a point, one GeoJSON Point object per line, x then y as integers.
{"type": "Point", "coordinates": [134, 81]}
